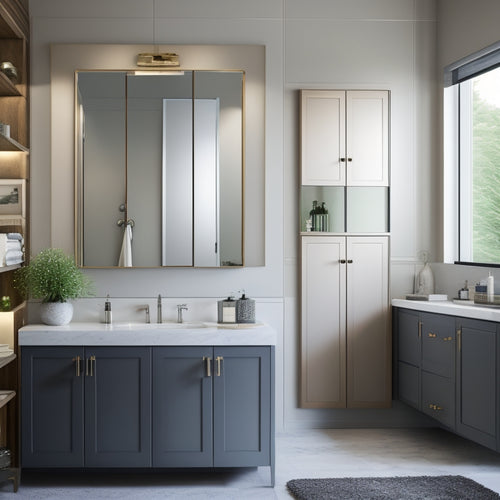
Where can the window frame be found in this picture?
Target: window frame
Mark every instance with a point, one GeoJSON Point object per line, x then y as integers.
{"type": "Point", "coordinates": [456, 145]}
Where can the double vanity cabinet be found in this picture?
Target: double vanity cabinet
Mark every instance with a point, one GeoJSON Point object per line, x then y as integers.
{"type": "Point", "coordinates": [159, 398]}
{"type": "Point", "coordinates": [448, 366]}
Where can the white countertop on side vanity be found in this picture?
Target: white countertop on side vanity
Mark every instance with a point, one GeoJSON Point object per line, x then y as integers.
{"type": "Point", "coordinates": [162, 334]}
{"type": "Point", "coordinates": [465, 309]}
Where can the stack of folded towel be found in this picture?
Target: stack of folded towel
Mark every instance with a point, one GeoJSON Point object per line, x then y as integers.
{"type": "Point", "coordinates": [5, 350]}
{"type": "Point", "coordinates": [11, 249]}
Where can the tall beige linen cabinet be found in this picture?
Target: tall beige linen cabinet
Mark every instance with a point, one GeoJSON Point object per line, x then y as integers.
{"type": "Point", "coordinates": [345, 320]}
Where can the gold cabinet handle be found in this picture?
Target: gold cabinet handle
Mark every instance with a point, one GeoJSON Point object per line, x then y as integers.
{"type": "Point", "coordinates": [208, 362]}
{"type": "Point", "coordinates": [435, 407]}
{"type": "Point", "coordinates": [90, 366]}
{"type": "Point", "coordinates": [447, 339]}
{"type": "Point", "coordinates": [432, 335]}
{"type": "Point", "coordinates": [419, 329]}
{"type": "Point", "coordinates": [459, 339]}
{"type": "Point", "coordinates": [219, 360]}
{"type": "Point", "coordinates": [77, 364]}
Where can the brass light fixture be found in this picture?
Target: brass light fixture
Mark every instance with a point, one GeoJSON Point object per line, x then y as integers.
{"type": "Point", "coordinates": [157, 59]}
{"type": "Point", "coordinates": [163, 59]}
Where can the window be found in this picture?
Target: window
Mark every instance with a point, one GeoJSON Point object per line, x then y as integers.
{"type": "Point", "coordinates": [473, 151]}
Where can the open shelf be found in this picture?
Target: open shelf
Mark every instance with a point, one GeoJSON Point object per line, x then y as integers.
{"type": "Point", "coordinates": [10, 474]}
{"type": "Point", "coordinates": [7, 88]}
{"type": "Point", "coordinates": [6, 360]}
{"type": "Point", "coordinates": [9, 144]}
{"type": "Point", "coordinates": [6, 396]}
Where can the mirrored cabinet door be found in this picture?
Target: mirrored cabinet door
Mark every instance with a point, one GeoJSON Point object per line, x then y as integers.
{"type": "Point", "coordinates": [159, 168]}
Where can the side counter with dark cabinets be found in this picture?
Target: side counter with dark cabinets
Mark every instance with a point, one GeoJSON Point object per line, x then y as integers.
{"type": "Point", "coordinates": [448, 365]}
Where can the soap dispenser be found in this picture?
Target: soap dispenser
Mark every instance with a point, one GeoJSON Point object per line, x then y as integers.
{"type": "Point", "coordinates": [226, 310]}
{"type": "Point", "coordinates": [107, 311]}
{"type": "Point", "coordinates": [245, 309]}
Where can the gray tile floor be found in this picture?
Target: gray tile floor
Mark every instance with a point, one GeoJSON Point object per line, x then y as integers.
{"type": "Point", "coordinates": [300, 454]}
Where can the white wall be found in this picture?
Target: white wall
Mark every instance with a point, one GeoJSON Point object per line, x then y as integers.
{"type": "Point", "coordinates": [348, 44]}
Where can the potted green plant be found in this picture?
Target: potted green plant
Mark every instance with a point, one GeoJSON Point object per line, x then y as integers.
{"type": "Point", "coordinates": [54, 278]}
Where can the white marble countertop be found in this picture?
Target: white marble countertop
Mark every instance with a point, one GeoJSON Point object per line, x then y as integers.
{"type": "Point", "coordinates": [464, 309]}
{"type": "Point", "coordinates": [127, 334]}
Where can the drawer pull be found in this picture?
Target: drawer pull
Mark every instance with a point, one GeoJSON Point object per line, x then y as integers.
{"type": "Point", "coordinates": [447, 339]}
{"type": "Point", "coordinates": [432, 335]}
{"type": "Point", "coordinates": [435, 407]}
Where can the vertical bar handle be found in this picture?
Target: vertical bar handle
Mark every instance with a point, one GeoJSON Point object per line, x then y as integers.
{"type": "Point", "coordinates": [459, 338]}
{"type": "Point", "coordinates": [419, 329]}
{"type": "Point", "coordinates": [77, 364]}
{"type": "Point", "coordinates": [90, 366]}
{"type": "Point", "coordinates": [207, 364]}
{"type": "Point", "coordinates": [219, 360]}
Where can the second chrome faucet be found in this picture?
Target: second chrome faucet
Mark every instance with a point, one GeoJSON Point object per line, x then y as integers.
{"type": "Point", "coordinates": [158, 310]}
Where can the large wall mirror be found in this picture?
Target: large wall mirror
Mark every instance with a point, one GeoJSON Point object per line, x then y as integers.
{"type": "Point", "coordinates": [159, 168]}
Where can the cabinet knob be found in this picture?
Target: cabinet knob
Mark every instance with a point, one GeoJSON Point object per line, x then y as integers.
{"type": "Point", "coordinates": [349, 159]}
{"type": "Point", "coordinates": [342, 159]}
{"type": "Point", "coordinates": [349, 261]}
{"type": "Point", "coordinates": [342, 261]}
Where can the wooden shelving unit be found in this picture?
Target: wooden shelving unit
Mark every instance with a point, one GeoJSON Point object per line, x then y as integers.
{"type": "Point", "coordinates": [14, 111]}
{"type": "Point", "coordinates": [6, 360]}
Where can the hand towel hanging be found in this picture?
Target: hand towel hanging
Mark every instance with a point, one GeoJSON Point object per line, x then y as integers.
{"type": "Point", "coordinates": [125, 259]}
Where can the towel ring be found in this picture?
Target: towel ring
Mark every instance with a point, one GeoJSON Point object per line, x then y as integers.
{"type": "Point", "coordinates": [130, 222]}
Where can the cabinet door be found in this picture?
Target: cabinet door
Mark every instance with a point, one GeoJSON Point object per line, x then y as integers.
{"type": "Point", "coordinates": [367, 138]}
{"type": "Point", "coordinates": [477, 382]}
{"type": "Point", "coordinates": [243, 406]}
{"type": "Point", "coordinates": [438, 344]}
{"type": "Point", "coordinates": [323, 137]}
{"type": "Point", "coordinates": [118, 407]}
{"type": "Point", "coordinates": [438, 398]}
{"type": "Point", "coordinates": [52, 402]}
{"type": "Point", "coordinates": [409, 336]}
{"type": "Point", "coordinates": [182, 406]}
{"type": "Point", "coordinates": [368, 334]}
{"type": "Point", "coordinates": [323, 322]}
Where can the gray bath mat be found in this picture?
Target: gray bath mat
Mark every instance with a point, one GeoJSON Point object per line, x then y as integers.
{"type": "Point", "coordinates": [390, 488]}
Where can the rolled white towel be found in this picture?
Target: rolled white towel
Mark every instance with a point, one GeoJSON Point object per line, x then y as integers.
{"type": "Point", "coordinates": [14, 236]}
{"type": "Point", "coordinates": [13, 257]}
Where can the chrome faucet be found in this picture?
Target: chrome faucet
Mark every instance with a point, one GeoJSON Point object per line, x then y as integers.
{"type": "Point", "coordinates": [146, 308]}
{"type": "Point", "coordinates": [158, 310]}
{"type": "Point", "coordinates": [180, 308]}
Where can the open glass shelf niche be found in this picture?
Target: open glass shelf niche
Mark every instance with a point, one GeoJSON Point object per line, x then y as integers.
{"type": "Point", "coordinates": [356, 209]}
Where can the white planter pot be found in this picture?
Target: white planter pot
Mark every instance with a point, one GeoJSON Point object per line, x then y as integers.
{"type": "Point", "coordinates": [56, 313]}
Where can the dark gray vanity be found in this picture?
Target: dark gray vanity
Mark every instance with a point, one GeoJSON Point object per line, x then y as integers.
{"type": "Point", "coordinates": [448, 366]}
{"type": "Point", "coordinates": [172, 403]}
